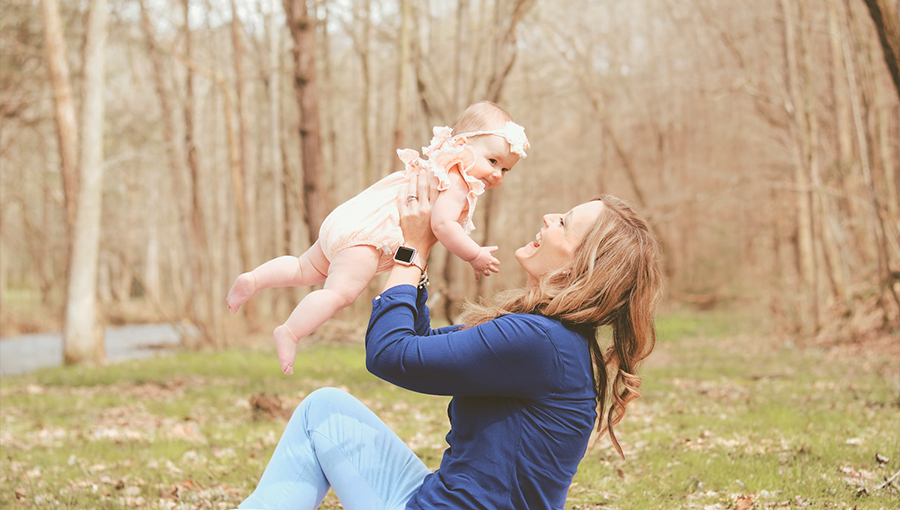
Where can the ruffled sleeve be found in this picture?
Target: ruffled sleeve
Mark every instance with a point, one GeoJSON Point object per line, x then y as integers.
{"type": "Point", "coordinates": [459, 153]}
{"type": "Point", "coordinates": [443, 154]}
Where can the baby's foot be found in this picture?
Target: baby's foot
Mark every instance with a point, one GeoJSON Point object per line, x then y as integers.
{"type": "Point", "coordinates": [241, 291]}
{"type": "Point", "coordinates": [286, 347]}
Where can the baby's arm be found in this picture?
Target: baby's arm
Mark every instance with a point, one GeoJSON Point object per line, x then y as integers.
{"type": "Point", "coordinates": [445, 223]}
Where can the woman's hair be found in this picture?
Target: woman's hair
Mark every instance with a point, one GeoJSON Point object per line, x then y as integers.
{"type": "Point", "coordinates": [614, 280]}
{"type": "Point", "coordinates": [479, 117]}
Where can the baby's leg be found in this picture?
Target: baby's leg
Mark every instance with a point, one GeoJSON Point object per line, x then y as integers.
{"type": "Point", "coordinates": [287, 271]}
{"type": "Point", "coordinates": [351, 271]}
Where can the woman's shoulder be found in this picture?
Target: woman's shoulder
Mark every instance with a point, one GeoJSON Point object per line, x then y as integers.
{"type": "Point", "coordinates": [549, 325]}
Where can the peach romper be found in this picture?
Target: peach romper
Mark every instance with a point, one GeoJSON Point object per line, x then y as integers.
{"type": "Point", "coordinates": [372, 218]}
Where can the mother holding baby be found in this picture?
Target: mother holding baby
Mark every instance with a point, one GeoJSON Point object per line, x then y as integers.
{"type": "Point", "coordinates": [529, 379]}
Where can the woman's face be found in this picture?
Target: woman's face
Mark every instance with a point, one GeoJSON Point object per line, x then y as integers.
{"type": "Point", "coordinates": [554, 246]}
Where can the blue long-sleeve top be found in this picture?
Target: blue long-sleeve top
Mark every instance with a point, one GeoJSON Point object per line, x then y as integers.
{"type": "Point", "coordinates": [523, 402]}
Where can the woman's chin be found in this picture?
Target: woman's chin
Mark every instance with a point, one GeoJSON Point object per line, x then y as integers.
{"type": "Point", "coordinates": [527, 250]}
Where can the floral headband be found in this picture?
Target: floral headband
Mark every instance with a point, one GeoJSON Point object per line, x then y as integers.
{"type": "Point", "coordinates": [512, 132]}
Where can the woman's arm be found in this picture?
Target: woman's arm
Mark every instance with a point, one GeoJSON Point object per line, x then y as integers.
{"type": "Point", "coordinates": [415, 218]}
{"type": "Point", "coordinates": [423, 317]}
{"type": "Point", "coordinates": [511, 356]}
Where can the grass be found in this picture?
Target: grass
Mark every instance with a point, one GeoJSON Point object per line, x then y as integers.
{"type": "Point", "coordinates": [728, 419]}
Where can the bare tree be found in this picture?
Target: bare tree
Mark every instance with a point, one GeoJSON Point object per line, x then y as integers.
{"type": "Point", "coordinates": [200, 305]}
{"type": "Point", "coordinates": [245, 182]}
{"type": "Point", "coordinates": [66, 130]}
{"type": "Point", "coordinates": [888, 27]}
{"type": "Point", "coordinates": [83, 335]}
{"type": "Point", "coordinates": [152, 279]}
{"type": "Point", "coordinates": [404, 64]}
{"type": "Point", "coordinates": [504, 57]}
{"type": "Point", "coordinates": [885, 277]}
{"type": "Point", "coordinates": [303, 32]}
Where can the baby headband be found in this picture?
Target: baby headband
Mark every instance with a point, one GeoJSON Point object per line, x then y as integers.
{"type": "Point", "coordinates": [512, 132]}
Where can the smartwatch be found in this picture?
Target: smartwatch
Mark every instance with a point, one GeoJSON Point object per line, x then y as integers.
{"type": "Point", "coordinates": [408, 257]}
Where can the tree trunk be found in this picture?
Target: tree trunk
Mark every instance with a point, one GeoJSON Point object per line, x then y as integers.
{"type": "Point", "coordinates": [801, 154]}
{"type": "Point", "coordinates": [822, 236]}
{"type": "Point", "coordinates": [66, 129]}
{"type": "Point", "coordinates": [888, 27]}
{"type": "Point", "coordinates": [844, 124]}
{"type": "Point", "coordinates": [199, 248]}
{"type": "Point", "coordinates": [247, 181]}
{"type": "Point", "coordinates": [83, 335]}
{"type": "Point", "coordinates": [243, 181]}
{"type": "Point", "coordinates": [361, 14]}
{"type": "Point", "coordinates": [876, 222]}
{"type": "Point", "coordinates": [303, 32]}
{"type": "Point", "coordinates": [454, 286]}
{"type": "Point", "coordinates": [886, 146]}
{"type": "Point", "coordinates": [152, 277]}
{"type": "Point", "coordinates": [274, 79]}
{"type": "Point", "coordinates": [504, 56]}
{"type": "Point", "coordinates": [403, 76]}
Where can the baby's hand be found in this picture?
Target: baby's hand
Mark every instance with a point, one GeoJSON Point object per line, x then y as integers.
{"type": "Point", "coordinates": [485, 263]}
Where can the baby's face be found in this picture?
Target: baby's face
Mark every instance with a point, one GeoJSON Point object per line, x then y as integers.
{"type": "Point", "coordinates": [492, 159]}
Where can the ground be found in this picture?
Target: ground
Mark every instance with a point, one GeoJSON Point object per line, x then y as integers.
{"type": "Point", "coordinates": [730, 418]}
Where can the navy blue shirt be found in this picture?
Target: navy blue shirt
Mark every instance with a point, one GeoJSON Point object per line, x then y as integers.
{"type": "Point", "coordinates": [523, 402]}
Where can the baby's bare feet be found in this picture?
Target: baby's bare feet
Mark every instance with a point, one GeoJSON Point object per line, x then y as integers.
{"type": "Point", "coordinates": [286, 347]}
{"type": "Point", "coordinates": [241, 291]}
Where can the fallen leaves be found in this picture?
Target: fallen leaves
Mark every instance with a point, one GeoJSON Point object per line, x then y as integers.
{"type": "Point", "coordinates": [745, 502]}
{"type": "Point", "coordinates": [268, 407]}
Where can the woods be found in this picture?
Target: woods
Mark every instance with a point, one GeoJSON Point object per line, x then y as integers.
{"type": "Point", "coordinates": [198, 139]}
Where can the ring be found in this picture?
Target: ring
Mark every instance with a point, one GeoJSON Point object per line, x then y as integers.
{"type": "Point", "coordinates": [410, 198]}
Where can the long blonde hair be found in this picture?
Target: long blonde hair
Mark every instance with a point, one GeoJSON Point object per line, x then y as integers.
{"type": "Point", "coordinates": [614, 280]}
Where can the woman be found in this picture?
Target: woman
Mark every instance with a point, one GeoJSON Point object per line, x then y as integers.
{"type": "Point", "coordinates": [527, 376]}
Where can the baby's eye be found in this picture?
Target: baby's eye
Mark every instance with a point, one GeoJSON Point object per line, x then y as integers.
{"type": "Point", "coordinates": [504, 170]}
{"type": "Point", "coordinates": [492, 161]}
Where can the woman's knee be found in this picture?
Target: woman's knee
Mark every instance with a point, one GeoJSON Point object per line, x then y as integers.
{"type": "Point", "coordinates": [324, 402]}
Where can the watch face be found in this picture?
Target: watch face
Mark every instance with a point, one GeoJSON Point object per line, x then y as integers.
{"type": "Point", "coordinates": [404, 255]}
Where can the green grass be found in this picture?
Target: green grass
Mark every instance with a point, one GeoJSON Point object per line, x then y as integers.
{"type": "Point", "coordinates": [726, 413]}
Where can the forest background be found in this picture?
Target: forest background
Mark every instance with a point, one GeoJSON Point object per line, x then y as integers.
{"type": "Point", "coordinates": [153, 150]}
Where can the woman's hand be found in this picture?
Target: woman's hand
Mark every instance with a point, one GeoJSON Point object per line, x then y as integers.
{"type": "Point", "coordinates": [414, 204]}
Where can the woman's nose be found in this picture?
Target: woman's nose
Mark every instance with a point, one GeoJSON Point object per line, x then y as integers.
{"type": "Point", "coordinates": [547, 219]}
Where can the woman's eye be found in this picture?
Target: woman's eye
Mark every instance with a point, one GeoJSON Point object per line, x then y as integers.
{"type": "Point", "coordinates": [561, 222]}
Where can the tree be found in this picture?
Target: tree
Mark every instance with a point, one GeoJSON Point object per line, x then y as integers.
{"type": "Point", "coordinates": [83, 338]}
{"type": "Point", "coordinates": [66, 129]}
{"type": "Point", "coordinates": [888, 27]}
{"type": "Point", "coordinates": [303, 32]}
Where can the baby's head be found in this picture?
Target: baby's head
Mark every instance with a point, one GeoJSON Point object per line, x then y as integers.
{"type": "Point", "coordinates": [497, 140]}
{"type": "Point", "coordinates": [481, 116]}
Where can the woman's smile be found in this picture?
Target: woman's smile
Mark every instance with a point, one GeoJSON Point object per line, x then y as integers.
{"type": "Point", "coordinates": [554, 245]}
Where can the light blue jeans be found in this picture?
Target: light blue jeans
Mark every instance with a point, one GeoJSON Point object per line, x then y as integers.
{"type": "Point", "coordinates": [334, 440]}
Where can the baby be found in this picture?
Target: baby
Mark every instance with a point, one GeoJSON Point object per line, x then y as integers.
{"type": "Point", "coordinates": [362, 237]}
